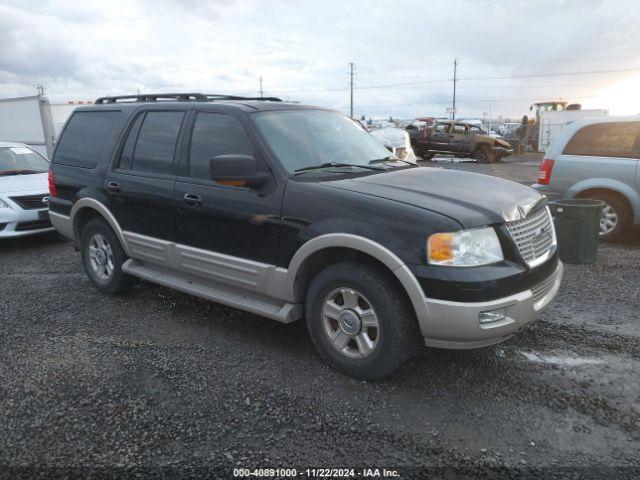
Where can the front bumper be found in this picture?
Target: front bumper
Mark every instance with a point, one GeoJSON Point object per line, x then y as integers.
{"type": "Point", "coordinates": [503, 152]}
{"type": "Point", "coordinates": [18, 222]}
{"type": "Point", "coordinates": [457, 325]}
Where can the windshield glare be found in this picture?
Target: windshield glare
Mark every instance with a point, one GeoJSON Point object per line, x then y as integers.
{"type": "Point", "coordinates": [305, 138]}
{"type": "Point", "coordinates": [19, 159]}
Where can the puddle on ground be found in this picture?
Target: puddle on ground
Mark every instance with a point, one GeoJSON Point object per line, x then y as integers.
{"type": "Point", "coordinates": [566, 361]}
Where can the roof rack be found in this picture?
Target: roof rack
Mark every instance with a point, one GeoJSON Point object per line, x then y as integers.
{"type": "Point", "coordinates": [180, 97]}
{"type": "Point", "coordinates": [235, 97]}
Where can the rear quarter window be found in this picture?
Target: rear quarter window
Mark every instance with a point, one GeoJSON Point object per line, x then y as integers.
{"type": "Point", "coordinates": [610, 139]}
{"type": "Point", "coordinates": [88, 138]}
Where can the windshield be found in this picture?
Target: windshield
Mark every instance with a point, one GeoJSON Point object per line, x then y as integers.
{"type": "Point", "coordinates": [21, 160]}
{"type": "Point", "coordinates": [306, 138]}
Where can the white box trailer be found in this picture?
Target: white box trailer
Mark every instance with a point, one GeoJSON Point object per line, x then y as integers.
{"type": "Point", "coordinates": [552, 123]}
{"type": "Point", "coordinates": [28, 120]}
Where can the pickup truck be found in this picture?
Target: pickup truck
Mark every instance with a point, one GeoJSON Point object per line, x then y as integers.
{"type": "Point", "coordinates": [461, 139]}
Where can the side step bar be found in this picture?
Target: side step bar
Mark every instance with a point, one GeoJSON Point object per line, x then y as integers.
{"type": "Point", "coordinates": [228, 295]}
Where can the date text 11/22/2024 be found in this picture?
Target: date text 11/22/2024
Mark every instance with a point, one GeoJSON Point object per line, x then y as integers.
{"type": "Point", "coordinates": [316, 473]}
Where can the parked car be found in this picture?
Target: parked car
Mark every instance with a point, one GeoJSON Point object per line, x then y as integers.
{"type": "Point", "coordinates": [461, 139]}
{"type": "Point", "coordinates": [24, 191]}
{"type": "Point", "coordinates": [597, 158]}
{"type": "Point", "coordinates": [294, 212]}
{"type": "Point", "coordinates": [397, 142]}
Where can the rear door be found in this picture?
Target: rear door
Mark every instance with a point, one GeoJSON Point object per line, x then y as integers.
{"type": "Point", "coordinates": [439, 137]}
{"type": "Point", "coordinates": [228, 219]}
{"type": "Point", "coordinates": [142, 182]}
{"type": "Point", "coordinates": [460, 139]}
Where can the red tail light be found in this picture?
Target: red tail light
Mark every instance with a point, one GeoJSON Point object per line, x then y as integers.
{"type": "Point", "coordinates": [544, 174]}
{"type": "Point", "coordinates": [53, 191]}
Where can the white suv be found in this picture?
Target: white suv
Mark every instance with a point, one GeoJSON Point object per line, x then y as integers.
{"type": "Point", "coordinates": [24, 191]}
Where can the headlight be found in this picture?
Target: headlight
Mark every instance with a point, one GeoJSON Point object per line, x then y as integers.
{"type": "Point", "coordinates": [3, 205]}
{"type": "Point", "coordinates": [465, 248]}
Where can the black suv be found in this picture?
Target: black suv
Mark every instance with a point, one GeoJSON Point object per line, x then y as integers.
{"type": "Point", "coordinates": [294, 212]}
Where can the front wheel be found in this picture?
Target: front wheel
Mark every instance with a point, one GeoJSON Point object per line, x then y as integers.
{"type": "Point", "coordinates": [360, 320]}
{"type": "Point", "coordinates": [484, 154]}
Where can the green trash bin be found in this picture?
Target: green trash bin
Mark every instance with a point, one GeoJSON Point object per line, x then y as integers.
{"type": "Point", "coordinates": [577, 228]}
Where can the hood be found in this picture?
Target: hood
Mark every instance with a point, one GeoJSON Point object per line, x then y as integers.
{"type": "Point", "coordinates": [24, 183]}
{"type": "Point", "coordinates": [502, 143]}
{"type": "Point", "coordinates": [472, 199]}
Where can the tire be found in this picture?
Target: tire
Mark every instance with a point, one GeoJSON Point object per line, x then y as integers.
{"type": "Point", "coordinates": [616, 209]}
{"type": "Point", "coordinates": [484, 154]}
{"type": "Point", "coordinates": [425, 155]}
{"type": "Point", "coordinates": [388, 346]}
{"type": "Point", "coordinates": [104, 266]}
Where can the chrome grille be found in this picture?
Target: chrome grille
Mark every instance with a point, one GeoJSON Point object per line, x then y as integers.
{"type": "Point", "coordinates": [534, 236]}
{"type": "Point", "coordinates": [542, 289]}
{"type": "Point", "coordinates": [32, 202]}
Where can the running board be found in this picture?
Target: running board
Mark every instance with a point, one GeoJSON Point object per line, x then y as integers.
{"type": "Point", "coordinates": [279, 310]}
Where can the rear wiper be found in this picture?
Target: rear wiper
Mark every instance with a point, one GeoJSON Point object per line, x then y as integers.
{"type": "Point", "coordinates": [336, 164]}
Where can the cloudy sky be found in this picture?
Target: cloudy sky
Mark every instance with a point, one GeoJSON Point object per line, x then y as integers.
{"type": "Point", "coordinates": [510, 53]}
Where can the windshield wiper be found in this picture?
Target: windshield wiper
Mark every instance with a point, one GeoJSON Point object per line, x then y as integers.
{"type": "Point", "coordinates": [19, 172]}
{"type": "Point", "coordinates": [390, 158]}
{"type": "Point", "coordinates": [336, 164]}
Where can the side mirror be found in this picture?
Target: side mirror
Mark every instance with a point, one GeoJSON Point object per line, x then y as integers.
{"type": "Point", "coordinates": [236, 170]}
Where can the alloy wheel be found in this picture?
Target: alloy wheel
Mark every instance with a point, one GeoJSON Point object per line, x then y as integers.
{"type": "Point", "coordinates": [608, 220]}
{"type": "Point", "coordinates": [101, 256]}
{"type": "Point", "coordinates": [350, 322]}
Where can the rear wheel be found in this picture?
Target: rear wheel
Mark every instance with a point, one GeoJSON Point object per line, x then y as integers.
{"type": "Point", "coordinates": [103, 256]}
{"type": "Point", "coordinates": [360, 321]}
{"type": "Point", "coordinates": [615, 216]}
{"type": "Point", "coordinates": [426, 155]}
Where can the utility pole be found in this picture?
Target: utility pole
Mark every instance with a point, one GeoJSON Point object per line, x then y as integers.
{"type": "Point", "coordinates": [455, 79]}
{"type": "Point", "coordinates": [40, 89]}
{"type": "Point", "coordinates": [351, 89]}
{"type": "Point", "coordinates": [261, 91]}
{"type": "Point", "coordinates": [490, 112]}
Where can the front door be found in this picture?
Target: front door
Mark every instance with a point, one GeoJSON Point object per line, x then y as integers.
{"type": "Point", "coordinates": [438, 138]}
{"type": "Point", "coordinates": [225, 219]}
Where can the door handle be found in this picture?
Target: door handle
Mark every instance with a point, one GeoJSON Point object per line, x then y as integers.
{"type": "Point", "coordinates": [193, 200]}
{"type": "Point", "coordinates": [113, 187]}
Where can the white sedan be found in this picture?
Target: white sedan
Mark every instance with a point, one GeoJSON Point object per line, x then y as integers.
{"type": "Point", "coordinates": [24, 191]}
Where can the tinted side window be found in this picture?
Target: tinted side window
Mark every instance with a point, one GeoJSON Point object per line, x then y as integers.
{"type": "Point", "coordinates": [216, 134]}
{"type": "Point", "coordinates": [87, 139]}
{"type": "Point", "coordinates": [612, 139]}
{"type": "Point", "coordinates": [156, 144]}
{"type": "Point", "coordinates": [126, 156]}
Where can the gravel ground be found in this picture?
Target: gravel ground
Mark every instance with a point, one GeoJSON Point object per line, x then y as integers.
{"type": "Point", "coordinates": [160, 384]}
